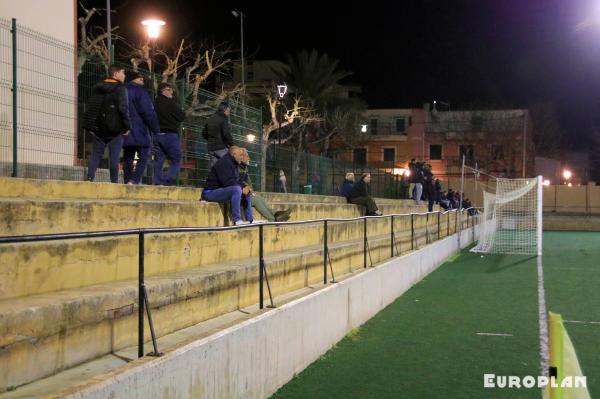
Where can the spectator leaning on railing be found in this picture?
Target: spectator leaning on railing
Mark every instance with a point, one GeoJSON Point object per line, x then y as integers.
{"type": "Point", "coordinates": [143, 122]}
{"type": "Point", "coordinates": [217, 132]}
{"type": "Point", "coordinates": [167, 144]}
{"type": "Point", "coordinates": [223, 185]}
{"type": "Point", "coordinates": [107, 117]}
{"type": "Point", "coordinates": [360, 196]}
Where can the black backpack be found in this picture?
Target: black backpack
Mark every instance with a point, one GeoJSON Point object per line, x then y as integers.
{"type": "Point", "coordinates": [102, 115]}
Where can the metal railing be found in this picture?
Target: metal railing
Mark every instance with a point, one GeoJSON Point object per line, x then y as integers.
{"type": "Point", "coordinates": [143, 301]}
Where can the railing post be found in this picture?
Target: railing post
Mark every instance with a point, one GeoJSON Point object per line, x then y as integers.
{"type": "Point", "coordinates": [260, 267]}
{"type": "Point", "coordinates": [14, 96]}
{"type": "Point", "coordinates": [365, 242]}
{"type": "Point", "coordinates": [448, 225]}
{"type": "Point", "coordinates": [141, 294]}
{"type": "Point", "coordinates": [392, 238]}
{"type": "Point", "coordinates": [412, 231]}
{"type": "Point", "coordinates": [438, 221]}
{"type": "Point", "coordinates": [325, 250]}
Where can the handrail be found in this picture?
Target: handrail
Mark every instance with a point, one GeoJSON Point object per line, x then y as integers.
{"type": "Point", "coordinates": [141, 232]}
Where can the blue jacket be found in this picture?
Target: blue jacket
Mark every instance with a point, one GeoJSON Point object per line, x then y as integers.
{"type": "Point", "coordinates": [346, 188]}
{"type": "Point", "coordinates": [224, 173]}
{"type": "Point", "coordinates": [142, 116]}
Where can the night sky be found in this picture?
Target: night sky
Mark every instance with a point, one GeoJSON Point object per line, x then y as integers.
{"type": "Point", "coordinates": [472, 54]}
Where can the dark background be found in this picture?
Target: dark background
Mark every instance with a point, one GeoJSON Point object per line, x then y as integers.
{"type": "Point", "coordinates": [470, 54]}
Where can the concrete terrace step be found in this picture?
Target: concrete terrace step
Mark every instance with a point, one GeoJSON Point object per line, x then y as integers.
{"type": "Point", "coordinates": [68, 327]}
{"type": "Point", "coordinates": [39, 267]}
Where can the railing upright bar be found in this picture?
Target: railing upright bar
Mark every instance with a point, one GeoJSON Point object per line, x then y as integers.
{"type": "Point", "coordinates": [412, 231]}
{"type": "Point", "coordinates": [392, 241]}
{"type": "Point", "coordinates": [325, 252]}
{"type": "Point", "coordinates": [438, 222]}
{"type": "Point", "coordinates": [261, 303]}
{"type": "Point", "coordinates": [151, 324]}
{"type": "Point", "coordinates": [365, 243]}
{"type": "Point", "coordinates": [141, 296]}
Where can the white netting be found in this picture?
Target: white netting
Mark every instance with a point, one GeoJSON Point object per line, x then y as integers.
{"type": "Point", "coordinates": [511, 219]}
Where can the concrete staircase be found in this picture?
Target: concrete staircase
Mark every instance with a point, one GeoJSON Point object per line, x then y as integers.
{"type": "Point", "coordinates": [66, 302]}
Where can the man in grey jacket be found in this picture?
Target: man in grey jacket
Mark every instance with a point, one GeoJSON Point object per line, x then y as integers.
{"type": "Point", "coordinates": [217, 133]}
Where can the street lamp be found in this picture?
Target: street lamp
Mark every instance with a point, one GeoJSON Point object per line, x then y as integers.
{"type": "Point", "coordinates": [250, 137]}
{"type": "Point", "coordinates": [567, 174]}
{"type": "Point", "coordinates": [241, 16]}
{"type": "Point", "coordinates": [281, 92]}
{"type": "Point", "coordinates": [153, 27]}
{"type": "Point", "coordinates": [363, 128]}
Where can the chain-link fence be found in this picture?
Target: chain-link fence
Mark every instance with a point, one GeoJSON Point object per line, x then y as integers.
{"type": "Point", "coordinates": [47, 139]}
{"type": "Point", "coordinates": [309, 173]}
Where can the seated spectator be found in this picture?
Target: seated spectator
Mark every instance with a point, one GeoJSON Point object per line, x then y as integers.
{"type": "Point", "coordinates": [444, 202]}
{"type": "Point", "coordinates": [346, 188]}
{"type": "Point", "coordinates": [258, 202]}
{"type": "Point", "coordinates": [360, 196]}
{"type": "Point", "coordinates": [223, 185]}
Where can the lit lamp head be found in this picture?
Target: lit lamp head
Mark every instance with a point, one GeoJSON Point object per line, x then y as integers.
{"type": "Point", "coordinates": [250, 137]}
{"type": "Point", "coordinates": [153, 27]}
{"type": "Point", "coordinates": [567, 174]}
{"type": "Point", "coordinates": [282, 90]}
{"type": "Point", "coordinates": [363, 128]}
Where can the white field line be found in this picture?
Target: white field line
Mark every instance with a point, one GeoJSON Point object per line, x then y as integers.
{"type": "Point", "coordinates": [494, 334]}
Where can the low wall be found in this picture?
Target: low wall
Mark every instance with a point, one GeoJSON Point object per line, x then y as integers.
{"type": "Point", "coordinates": [255, 358]}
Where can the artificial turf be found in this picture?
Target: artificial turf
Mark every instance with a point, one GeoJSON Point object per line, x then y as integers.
{"type": "Point", "coordinates": [425, 344]}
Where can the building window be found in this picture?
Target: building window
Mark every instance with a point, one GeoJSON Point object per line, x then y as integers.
{"type": "Point", "coordinates": [466, 150]}
{"type": "Point", "coordinates": [389, 155]}
{"type": "Point", "coordinates": [410, 121]}
{"type": "Point", "coordinates": [250, 75]}
{"type": "Point", "coordinates": [360, 156]}
{"type": "Point", "coordinates": [497, 152]}
{"type": "Point", "coordinates": [435, 152]}
{"type": "Point", "coordinates": [374, 122]}
{"type": "Point", "coordinates": [400, 125]}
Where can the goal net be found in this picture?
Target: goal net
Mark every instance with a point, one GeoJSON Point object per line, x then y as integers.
{"type": "Point", "coordinates": [512, 218]}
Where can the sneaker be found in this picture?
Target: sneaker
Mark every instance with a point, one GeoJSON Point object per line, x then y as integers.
{"type": "Point", "coordinates": [241, 223]}
{"type": "Point", "coordinates": [378, 213]}
{"type": "Point", "coordinates": [257, 221]}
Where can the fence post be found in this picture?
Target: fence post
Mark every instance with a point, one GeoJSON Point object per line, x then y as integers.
{"type": "Point", "coordinates": [141, 294]}
{"type": "Point", "coordinates": [365, 242]}
{"type": "Point", "coordinates": [448, 225]}
{"type": "Point", "coordinates": [392, 238]}
{"type": "Point", "coordinates": [412, 231]}
{"type": "Point", "coordinates": [13, 31]}
{"type": "Point", "coordinates": [260, 267]}
{"type": "Point", "coordinates": [438, 229]}
{"type": "Point", "coordinates": [325, 250]}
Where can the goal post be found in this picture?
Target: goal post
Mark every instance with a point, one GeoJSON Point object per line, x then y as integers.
{"type": "Point", "coordinates": [512, 218]}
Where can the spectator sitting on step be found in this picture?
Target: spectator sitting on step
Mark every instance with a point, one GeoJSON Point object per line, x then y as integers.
{"type": "Point", "coordinates": [347, 185]}
{"type": "Point", "coordinates": [360, 196]}
{"type": "Point", "coordinates": [223, 185]}
{"type": "Point", "coordinates": [258, 202]}
{"type": "Point", "coordinates": [444, 202]}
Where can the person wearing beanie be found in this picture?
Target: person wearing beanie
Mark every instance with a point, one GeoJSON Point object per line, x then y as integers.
{"type": "Point", "coordinates": [143, 123]}
{"type": "Point", "coordinates": [166, 143]}
{"type": "Point", "coordinates": [217, 132]}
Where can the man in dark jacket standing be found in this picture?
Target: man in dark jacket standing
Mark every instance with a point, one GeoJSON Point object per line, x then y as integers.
{"type": "Point", "coordinates": [217, 133]}
{"type": "Point", "coordinates": [109, 123]}
{"type": "Point", "coordinates": [223, 185]}
{"type": "Point", "coordinates": [143, 122]}
{"type": "Point", "coordinates": [167, 143]}
{"type": "Point", "coordinates": [360, 196]}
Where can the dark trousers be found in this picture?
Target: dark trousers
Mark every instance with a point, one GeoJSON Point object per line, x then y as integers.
{"type": "Point", "coordinates": [367, 202]}
{"type": "Point", "coordinates": [114, 152]}
{"type": "Point", "coordinates": [430, 202]}
{"type": "Point", "coordinates": [166, 146]}
{"type": "Point", "coordinates": [131, 174]}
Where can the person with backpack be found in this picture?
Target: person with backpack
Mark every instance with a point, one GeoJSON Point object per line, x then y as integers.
{"type": "Point", "coordinates": [107, 117]}
{"type": "Point", "coordinates": [143, 122]}
{"type": "Point", "coordinates": [217, 132]}
{"type": "Point", "coordinates": [167, 144]}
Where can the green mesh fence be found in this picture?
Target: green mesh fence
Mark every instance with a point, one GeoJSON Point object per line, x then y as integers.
{"type": "Point", "coordinates": [314, 174]}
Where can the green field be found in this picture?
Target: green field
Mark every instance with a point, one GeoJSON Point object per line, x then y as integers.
{"type": "Point", "coordinates": [426, 344]}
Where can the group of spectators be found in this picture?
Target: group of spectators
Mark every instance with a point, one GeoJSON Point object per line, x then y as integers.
{"type": "Point", "coordinates": [359, 193]}
{"type": "Point", "coordinates": [124, 117]}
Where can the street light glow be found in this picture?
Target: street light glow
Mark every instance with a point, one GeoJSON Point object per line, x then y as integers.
{"type": "Point", "coordinates": [546, 182]}
{"type": "Point", "coordinates": [281, 90]}
{"type": "Point", "coordinates": [363, 128]}
{"type": "Point", "coordinates": [567, 174]}
{"type": "Point", "coordinates": [250, 137]}
{"type": "Point", "coordinates": [153, 27]}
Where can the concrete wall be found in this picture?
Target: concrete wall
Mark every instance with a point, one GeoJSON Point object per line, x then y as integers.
{"type": "Point", "coordinates": [46, 79]}
{"type": "Point", "coordinates": [255, 358]}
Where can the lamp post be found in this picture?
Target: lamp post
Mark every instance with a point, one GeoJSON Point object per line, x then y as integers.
{"type": "Point", "coordinates": [281, 92]}
{"type": "Point", "coordinates": [238, 14]}
{"type": "Point", "coordinates": [153, 31]}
